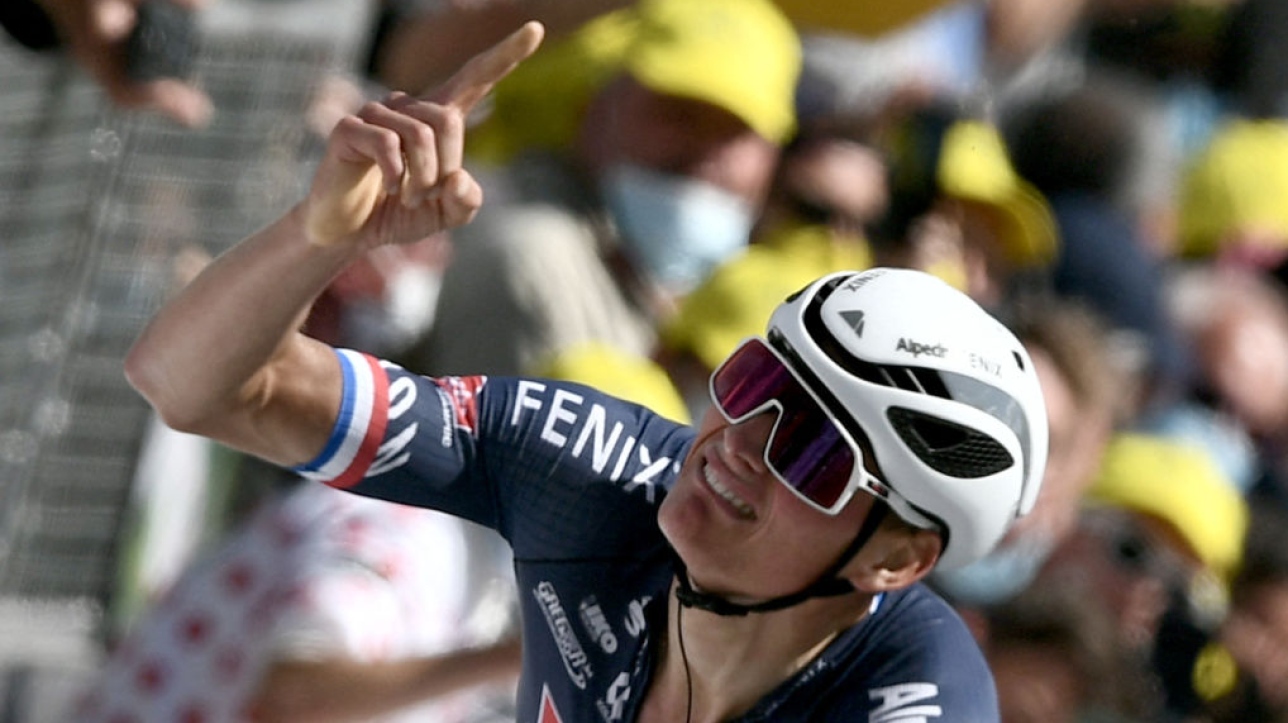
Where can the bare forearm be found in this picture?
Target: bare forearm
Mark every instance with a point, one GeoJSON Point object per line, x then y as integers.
{"type": "Point", "coordinates": [231, 334]}
{"type": "Point", "coordinates": [225, 358]}
{"type": "Point", "coordinates": [338, 691]}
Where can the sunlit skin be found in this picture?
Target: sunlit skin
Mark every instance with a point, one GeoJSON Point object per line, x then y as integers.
{"type": "Point", "coordinates": [1037, 683]}
{"type": "Point", "coordinates": [847, 177]}
{"type": "Point", "coordinates": [769, 543]}
{"type": "Point", "coordinates": [774, 545]}
{"type": "Point", "coordinates": [629, 123]}
{"type": "Point", "coordinates": [1078, 438]}
{"type": "Point", "coordinates": [1137, 599]}
{"type": "Point", "coordinates": [1256, 633]}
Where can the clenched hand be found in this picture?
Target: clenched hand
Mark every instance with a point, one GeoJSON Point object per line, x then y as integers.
{"type": "Point", "coordinates": [392, 172]}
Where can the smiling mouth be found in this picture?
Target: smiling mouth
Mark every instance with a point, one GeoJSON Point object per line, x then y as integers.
{"type": "Point", "coordinates": [743, 509]}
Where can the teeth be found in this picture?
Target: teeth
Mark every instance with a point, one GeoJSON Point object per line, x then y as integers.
{"type": "Point", "coordinates": [744, 509]}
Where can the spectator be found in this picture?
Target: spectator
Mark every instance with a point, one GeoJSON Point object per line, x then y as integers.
{"type": "Point", "coordinates": [1233, 196]}
{"type": "Point", "coordinates": [97, 34]}
{"type": "Point", "coordinates": [1058, 660]}
{"type": "Point", "coordinates": [1082, 150]}
{"type": "Point", "coordinates": [601, 224]}
{"type": "Point", "coordinates": [1251, 661]}
{"type": "Point", "coordinates": [960, 210]}
{"type": "Point", "coordinates": [1157, 544]}
{"type": "Point", "coordinates": [1082, 389]}
{"type": "Point", "coordinates": [825, 189]}
{"type": "Point", "coordinates": [1236, 322]}
{"type": "Point", "coordinates": [824, 201]}
{"type": "Point", "coordinates": [322, 606]}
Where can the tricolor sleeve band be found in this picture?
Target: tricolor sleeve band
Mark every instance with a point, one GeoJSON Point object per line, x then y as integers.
{"type": "Point", "coordinates": [359, 427]}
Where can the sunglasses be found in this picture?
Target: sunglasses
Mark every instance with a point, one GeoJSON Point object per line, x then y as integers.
{"type": "Point", "coordinates": [808, 450]}
{"type": "Point", "coordinates": [822, 214]}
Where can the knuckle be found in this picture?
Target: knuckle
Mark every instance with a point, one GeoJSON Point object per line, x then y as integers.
{"type": "Point", "coordinates": [422, 135]}
{"type": "Point", "coordinates": [349, 123]}
{"type": "Point", "coordinates": [371, 109]}
{"type": "Point", "coordinates": [387, 141]}
{"type": "Point", "coordinates": [453, 120]}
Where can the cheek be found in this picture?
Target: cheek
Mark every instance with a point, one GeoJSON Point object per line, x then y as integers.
{"type": "Point", "coordinates": [808, 540]}
{"type": "Point", "coordinates": [743, 166]}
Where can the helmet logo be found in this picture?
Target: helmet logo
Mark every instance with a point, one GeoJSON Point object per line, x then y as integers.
{"type": "Point", "coordinates": [855, 320]}
{"type": "Point", "coordinates": [858, 281]}
{"type": "Point", "coordinates": [988, 366]}
{"type": "Point", "coordinates": [916, 348]}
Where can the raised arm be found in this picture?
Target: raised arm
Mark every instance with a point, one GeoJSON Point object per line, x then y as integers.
{"type": "Point", "coordinates": [225, 358]}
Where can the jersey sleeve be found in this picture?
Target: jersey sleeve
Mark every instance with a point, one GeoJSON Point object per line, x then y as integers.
{"type": "Point", "coordinates": [523, 456]}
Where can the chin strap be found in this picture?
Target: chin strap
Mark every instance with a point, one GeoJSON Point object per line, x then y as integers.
{"type": "Point", "coordinates": [827, 584]}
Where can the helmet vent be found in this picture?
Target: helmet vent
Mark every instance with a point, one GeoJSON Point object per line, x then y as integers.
{"type": "Point", "coordinates": [947, 447]}
{"type": "Point", "coordinates": [909, 379]}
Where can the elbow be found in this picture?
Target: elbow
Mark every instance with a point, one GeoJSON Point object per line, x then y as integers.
{"type": "Point", "coordinates": [155, 383]}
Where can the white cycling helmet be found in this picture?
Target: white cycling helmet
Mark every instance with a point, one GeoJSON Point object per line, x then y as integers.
{"type": "Point", "coordinates": [941, 396]}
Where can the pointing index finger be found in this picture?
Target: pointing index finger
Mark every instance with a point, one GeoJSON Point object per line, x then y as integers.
{"type": "Point", "coordinates": [476, 78]}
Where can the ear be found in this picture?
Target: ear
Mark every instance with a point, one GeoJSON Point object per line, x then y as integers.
{"type": "Point", "coordinates": [895, 559]}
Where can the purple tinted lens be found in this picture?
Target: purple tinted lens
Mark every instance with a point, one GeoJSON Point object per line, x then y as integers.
{"type": "Point", "coordinates": [807, 450]}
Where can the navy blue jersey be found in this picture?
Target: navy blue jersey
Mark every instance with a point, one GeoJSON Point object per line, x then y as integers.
{"type": "Point", "coordinates": [572, 478]}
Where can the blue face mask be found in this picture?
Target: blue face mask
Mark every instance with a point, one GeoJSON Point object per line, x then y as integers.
{"type": "Point", "coordinates": [675, 228]}
{"type": "Point", "coordinates": [998, 576]}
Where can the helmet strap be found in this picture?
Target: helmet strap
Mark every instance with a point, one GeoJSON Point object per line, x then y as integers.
{"type": "Point", "coordinates": [827, 584]}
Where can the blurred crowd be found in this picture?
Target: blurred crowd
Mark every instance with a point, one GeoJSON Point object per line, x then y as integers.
{"type": "Point", "coordinates": [1109, 177]}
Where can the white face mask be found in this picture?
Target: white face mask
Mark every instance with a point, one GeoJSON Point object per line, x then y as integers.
{"type": "Point", "coordinates": [1000, 575]}
{"type": "Point", "coordinates": [675, 228]}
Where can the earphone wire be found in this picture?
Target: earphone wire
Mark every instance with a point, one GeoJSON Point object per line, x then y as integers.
{"type": "Point", "coordinates": [684, 657]}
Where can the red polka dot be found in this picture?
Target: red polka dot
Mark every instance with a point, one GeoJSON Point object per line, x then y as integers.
{"type": "Point", "coordinates": [150, 677]}
{"type": "Point", "coordinates": [239, 577]}
{"type": "Point", "coordinates": [193, 713]}
{"type": "Point", "coordinates": [195, 629]}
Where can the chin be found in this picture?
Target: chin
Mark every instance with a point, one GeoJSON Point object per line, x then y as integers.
{"type": "Point", "coordinates": [682, 518]}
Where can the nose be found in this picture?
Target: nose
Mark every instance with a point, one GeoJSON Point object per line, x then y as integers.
{"type": "Point", "coordinates": [747, 439]}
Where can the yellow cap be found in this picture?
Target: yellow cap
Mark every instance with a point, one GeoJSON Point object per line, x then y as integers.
{"type": "Point", "coordinates": [865, 18]}
{"type": "Point", "coordinates": [1238, 182]}
{"type": "Point", "coordinates": [737, 298]}
{"type": "Point", "coordinates": [1180, 484]}
{"type": "Point", "coordinates": [974, 166]}
{"type": "Point", "coordinates": [613, 371]}
{"type": "Point", "coordinates": [540, 104]}
{"type": "Point", "coordinates": [740, 55]}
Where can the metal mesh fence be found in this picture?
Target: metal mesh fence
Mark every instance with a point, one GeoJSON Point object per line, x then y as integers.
{"type": "Point", "coordinates": [95, 205]}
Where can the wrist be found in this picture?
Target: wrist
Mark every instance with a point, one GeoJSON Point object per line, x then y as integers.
{"type": "Point", "coordinates": [299, 226]}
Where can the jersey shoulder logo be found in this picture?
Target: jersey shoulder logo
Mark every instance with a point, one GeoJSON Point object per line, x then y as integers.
{"type": "Point", "coordinates": [905, 703]}
{"type": "Point", "coordinates": [574, 656]}
{"type": "Point", "coordinates": [463, 392]}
